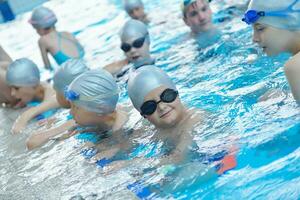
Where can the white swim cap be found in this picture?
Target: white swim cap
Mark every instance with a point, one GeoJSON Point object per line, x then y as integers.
{"type": "Point", "coordinates": [68, 71]}
{"type": "Point", "coordinates": [95, 90]}
{"type": "Point", "coordinates": [284, 14]}
{"type": "Point", "coordinates": [131, 4]}
{"type": "Point", "coordinates": [43, 17]}
{"type": "Point", "coordinates": [23, 72]}
{"type": "Point", "coordinates": [145, 79]}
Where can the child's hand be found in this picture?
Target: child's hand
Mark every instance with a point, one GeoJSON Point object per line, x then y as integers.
{"type": "Point", "coordinates": [18, 126]}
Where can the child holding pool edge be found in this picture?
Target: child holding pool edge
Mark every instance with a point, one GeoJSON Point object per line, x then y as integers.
{"type": "Point", "coordinates": [63, 77]}
{"type": "Point", "coordinates": [23, 77]}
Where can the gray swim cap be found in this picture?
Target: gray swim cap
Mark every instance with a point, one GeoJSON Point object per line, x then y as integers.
{"type": "Point", "coordinates": [134, 29]}
{"type": "Point", "coordinates": [131, 4]}
{"type": "Point", "coordinates": [43, 17]}
{"type": "Point", "coordinates": [145, 79]}
{"type": "Point", "coordinates": [23, 72]}
{"type": "Point", "coordinates": [95, 90]}
{"type": "Point", "coordinates": [290, 9]}
{"type": "Point", "coordinates": [68, 71]}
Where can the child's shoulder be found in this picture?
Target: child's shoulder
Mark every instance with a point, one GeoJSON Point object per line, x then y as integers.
{"type": "Point", "coordinates": [293, 63]}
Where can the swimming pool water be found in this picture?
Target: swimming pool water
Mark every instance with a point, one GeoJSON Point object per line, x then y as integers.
{"type": "Point", "coordinates": [227, 79]}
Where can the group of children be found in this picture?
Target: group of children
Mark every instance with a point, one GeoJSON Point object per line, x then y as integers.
{"type": "Point", "coordinates": [92, 95]}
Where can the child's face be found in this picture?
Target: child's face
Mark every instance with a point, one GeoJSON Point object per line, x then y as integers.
{"type": "Point", "coordinates": [42, 31]}
{"type": "Point", "coordinates": [86, 118]}
{"type": "Point", "coordinates": [166, 115]}
{"type": "Point", "coordinates": [63, 102]}
{"type": "Point", "coordinates": [23, 94]}
{"type": "Point", "coordinates": [137, 54]}
{"type": "Point", "coordinates": [198, 16]}
{"type": "Point", "coordinates": [272, 40]}
{"type": "Point", "coordinates": [137, 13]}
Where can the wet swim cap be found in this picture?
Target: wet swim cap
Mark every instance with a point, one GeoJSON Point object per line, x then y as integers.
{"type": "Point", "coordinates": [289, 9]}
{"type": "Point", "coordinates": [134, 29]}
{"type": "Point", "coordinates": [95, 90]}
{"type": "Point", "coordinates": [42, 17]}
{"type": "Point", "coordinates": [131, 4]}
{"type": "Point", "coordinates": [23, 72]}
{"type": "Point", "coordinates": [68, 71]}
{"type": "Point", "coordinates": [145, 79]}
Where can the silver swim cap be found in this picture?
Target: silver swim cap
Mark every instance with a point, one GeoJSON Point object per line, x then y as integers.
{"type": "Point", "coordinates": [283, 14]}
{"type": "Point", "coordinates": [131, 4]}
{"type": "Point", "coordinates": [43, 17]}
{"type": "Point", "coordinates": [23, 72]}
{"type": "Point", "coordinates": [68, 71]}
{"type": "Point", "coordinates": [95, 90]}
{"type": "Point", "coordinates": [134, 29]}
{"type": "Point", "coordinates": [145, 79]}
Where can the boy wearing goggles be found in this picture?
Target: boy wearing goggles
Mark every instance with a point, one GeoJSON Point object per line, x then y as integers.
{"type": "Point", "coordinates": [276, 26]}
{"type": "Point", "coordinates": [155, 96]}
{"type": "Point", "coordinates": [135, 43]}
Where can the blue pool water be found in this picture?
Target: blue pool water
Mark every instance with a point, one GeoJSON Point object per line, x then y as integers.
{"type": "Point", "coordinates": [227, 78]}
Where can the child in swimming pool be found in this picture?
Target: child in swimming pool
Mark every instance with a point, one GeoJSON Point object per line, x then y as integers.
{"type": "Point", "coordinates": [23, 77]}
{"type": "Point", "coordinates": [135, 9]}
{"type": "Point", "coordinates": [156, 97]}
{"type": "Point", "coordinates": [135, 41]}
{"type": "Point", "coordinates": [5, 93]}
{"type": "Point", "coordinates": [276, 26]}
{"type": "Point", "coordinates": [93, 97]}
{"type": "Point", "coordinates": [63, 77]}
{"type": "Point", "coordinates": [61, 45]}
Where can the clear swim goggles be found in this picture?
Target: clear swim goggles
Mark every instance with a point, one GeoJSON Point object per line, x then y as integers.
{"type": "Point", "coordinates": [71, 95]}
{"type": "Point", "coordinates": [251, 16]}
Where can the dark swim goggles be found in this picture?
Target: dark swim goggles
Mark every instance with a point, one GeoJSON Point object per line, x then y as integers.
{"type": "Point", "coordinates": [138, 43]}
{"type": "Point", "coordinates": [167, 96]}
{"type": "Point", "coordinates": [251, 16]}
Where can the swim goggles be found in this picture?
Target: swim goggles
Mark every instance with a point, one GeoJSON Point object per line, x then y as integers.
{"type": "Point", "coordinates": [138, 43]}
{"type": "Point", "coordinates": [251, 16]}
{"type": "Point", "coordinates": [71, 95]}
{"type": "Point", "coordinates": [167, 96]}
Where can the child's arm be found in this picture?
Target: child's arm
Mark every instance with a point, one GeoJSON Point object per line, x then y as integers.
{"type": "Point", "coordinates": [39, 138]}
{"type": "Point", "coordinates": [116, 67]}
{"type": "Point", "coordinates": [29, 114]}
{"type": "Point", "coordinates": [44, 53]}
{"type": "Point", "coordinates": [292, 72]}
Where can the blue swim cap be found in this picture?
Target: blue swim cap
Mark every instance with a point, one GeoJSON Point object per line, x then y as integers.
{"type": "Point", "coordinates": [279, 14]}
{"type": "Point", "coordinates": [131, 4]}
{"type": "Point", "coordinates": [134, 29]}
{"type": "Point", "coordinates": [68, 71]}
{"type": "Point", "coordinates": [145, 79]}
{"type": "Point", "coordinates": [43, 17]}
{"type": "Point", "coordinates": [23, 72]}
{"type": "Point", "coordinates": [95, 90]}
